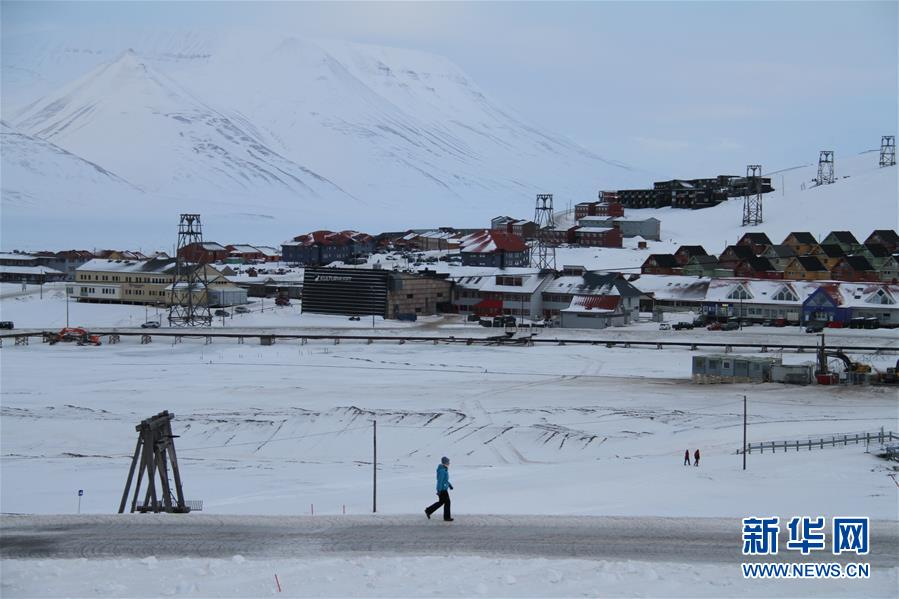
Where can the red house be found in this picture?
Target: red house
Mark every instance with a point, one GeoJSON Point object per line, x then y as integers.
{"type": "Point", "coordinates": [605, 237]}
{"type": "Point", "coordinates": [758, 241]}
{"type": "Point", "coordinates": [685, 252]}
{"type": "Point", "coordinates": [854, 268]}
{"type": "Point", "coordinates": [734, 254]}
{"type": "Point", "coordinates": [203, 252]}
{"type": "Point", "coordinates": [757, 268]}
{"type": "Point", "coordinates": [247, 253]}
{"type": "Point", "coordinates": [661, 264]}
{"type": "Point", "coordinates": [603, 208]}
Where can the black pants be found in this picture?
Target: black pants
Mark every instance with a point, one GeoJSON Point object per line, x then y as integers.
{"type": "Point", "coordinates": [444, 500]}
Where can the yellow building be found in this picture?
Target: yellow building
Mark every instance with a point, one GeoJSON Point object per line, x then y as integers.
{"type": "Point", "coordinates": [144, 282]}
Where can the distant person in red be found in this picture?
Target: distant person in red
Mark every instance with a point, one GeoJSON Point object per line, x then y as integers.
{"type": "Point", "coordinates": [696, 458]}
{"type": "Point", "coordinates": [686, 457]}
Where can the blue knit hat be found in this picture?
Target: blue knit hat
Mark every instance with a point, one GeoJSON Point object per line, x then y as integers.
{"type": "Point", "coordinates": [444, 460]}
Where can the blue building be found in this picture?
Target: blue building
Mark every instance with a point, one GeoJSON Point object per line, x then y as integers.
{"type": "Point", "coordinates": [824, 305]}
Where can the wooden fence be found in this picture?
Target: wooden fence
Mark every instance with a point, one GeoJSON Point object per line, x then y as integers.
{"type": "Point", "coordinates": [822, 442]}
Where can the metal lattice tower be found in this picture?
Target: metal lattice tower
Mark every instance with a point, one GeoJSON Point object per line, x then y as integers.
{"type": "Point", "coordinates": [888, 150]}
{"type": "Point", "coordinates": [190, 299]}
{"type": "Point", "coordinates": [825, 168]}
{"type": "Point", "coordinates": [543, 253]}
{"type": "Point", "coordinates": [752, 201]}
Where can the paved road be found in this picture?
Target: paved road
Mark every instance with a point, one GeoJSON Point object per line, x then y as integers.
{"type": "Point", "coordinates": [692, 540]}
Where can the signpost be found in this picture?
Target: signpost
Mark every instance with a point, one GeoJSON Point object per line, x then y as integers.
{"type": "Point", "coordinates": [80, 493]}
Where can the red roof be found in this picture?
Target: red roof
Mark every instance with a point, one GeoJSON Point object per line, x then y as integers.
{"type": "Point", "coordinates": [489, 241]}
{"type": "Point", "coordinates": [596, 302]}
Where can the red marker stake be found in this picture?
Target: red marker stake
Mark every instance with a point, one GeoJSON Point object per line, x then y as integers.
{"type": "Point", "coordinates": [278, 582]}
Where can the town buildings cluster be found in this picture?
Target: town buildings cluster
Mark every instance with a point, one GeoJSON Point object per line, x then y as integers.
{"type": "Point", "coordinates": [835, 280]}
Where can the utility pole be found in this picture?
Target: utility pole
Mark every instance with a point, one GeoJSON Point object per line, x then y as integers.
{"type": "Point", "coordinates": [744, 432]}
{"type": "Point", "coordinates": [374, 462]}
{"type": "Point", "coordinates": [67, 306]}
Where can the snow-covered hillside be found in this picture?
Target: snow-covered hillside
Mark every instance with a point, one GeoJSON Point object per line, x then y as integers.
{"type": "Point", "coordinates": [863, 198]}
{"type": "Point", "coordinates": [312, 134]}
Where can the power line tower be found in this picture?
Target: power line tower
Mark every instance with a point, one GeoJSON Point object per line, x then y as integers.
{"type": "Point", "coordinates": [543, 253]}
{"type": "Point", "coordinates": [190, 297]}
{"type": "Point", "coordinates": [888, 150]}
{"type": "Point", "coordinates": [825, 168]}
{"type": "Point", "coordinates": [752, 201]}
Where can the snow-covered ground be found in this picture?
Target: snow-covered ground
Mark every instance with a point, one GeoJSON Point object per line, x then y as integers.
{"type": "Point", "coordinates": [550, 429]}
{"type": "Point", "coordinates": [404, 576]}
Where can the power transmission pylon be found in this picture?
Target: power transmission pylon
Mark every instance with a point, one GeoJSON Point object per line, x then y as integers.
{"type": "Point", "coordinates": [825, 168]}
{"type": "Point", "coordinates": [190, 292]}
{"type": "Point", "coordinates": [752, 201]}
{"type": "Point", "coordinates": [543, 253]}
{"type": "Point", "coordinates": [888, 150]}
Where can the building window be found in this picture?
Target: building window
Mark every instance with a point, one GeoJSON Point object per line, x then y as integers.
{"type": "Point", "coordinates": [409, 296]}
{"type": "Point", "coordinates": [739, 293]}
{"type": "Point", "coordinates": [785, 294]}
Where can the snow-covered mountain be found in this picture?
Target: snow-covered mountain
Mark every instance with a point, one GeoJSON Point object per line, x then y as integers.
{"type": "Point", "coordinates": [37, 172]}
{"type": "Point", "coordinates": [301, 134]}
{"type": "Point", "coordinates": [161, 137]}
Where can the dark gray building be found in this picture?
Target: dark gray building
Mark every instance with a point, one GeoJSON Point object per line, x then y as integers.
{"type": "Point", "coordinates": [366, 292]}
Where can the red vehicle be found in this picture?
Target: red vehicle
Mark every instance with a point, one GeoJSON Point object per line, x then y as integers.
{"type": "Point", "coordinates": [76, 334]}
{"type": "Point", "coordinates": [715, 326]}
{"type": "Point", "coordinates": [780, 322]}
{"type": "Point", "coordinates": [282, 301]}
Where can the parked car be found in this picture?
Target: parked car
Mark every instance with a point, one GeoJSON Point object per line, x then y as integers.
{"type": "Point", "coordinates": [150, 324]}
{"type": "Point", "coordinates": [872, 323]}
{"type": "Point", "coordinates": [715, 326]}
{"type": "Point", "coordinates": [814, 328]}
{"type": "Point", "coordinates": [241, 310]}
{"type": "Point", "coordinates": [221, 312]}
{"type": "Point", "coordinates": [355, 318]}
{"type": "Point", "coordinates": [731, 325]}
{"type": "Point", "coordinates": [282, 301]}
{"type": "Point", "coordinates": [473, 317]}
{"type": "Point", "coordinates": [768, 323]}
{"type": "Point", "coordinates": [664, 326]}
{"type": "Point", "coordinates": [700, 321]}
{"type": "Point", "coordinates": [6, 324]}
{"type": "Point", "coordinates": [780, 322]}
{"type": "Point", "coordinates": [679, 326]}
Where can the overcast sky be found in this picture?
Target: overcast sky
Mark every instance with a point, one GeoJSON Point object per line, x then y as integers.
{"type": "Point", "coordinates": [676, 88]}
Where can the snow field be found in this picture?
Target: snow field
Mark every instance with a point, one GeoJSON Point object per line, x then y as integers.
{"type": "Point", "coordinates": [540, 430]}
{"type": "Point", "coordinates": [427, 576]}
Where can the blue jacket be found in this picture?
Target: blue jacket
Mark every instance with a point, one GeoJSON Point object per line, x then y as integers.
{"type": "Point", "coordinates": [443, 482]}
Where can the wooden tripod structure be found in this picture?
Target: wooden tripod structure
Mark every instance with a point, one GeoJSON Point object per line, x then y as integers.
{"type": "Point", "coordinates": [155, 449]}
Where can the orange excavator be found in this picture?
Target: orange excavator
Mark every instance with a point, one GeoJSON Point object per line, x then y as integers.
{"type": "Point", "coordinates": [74, 334]}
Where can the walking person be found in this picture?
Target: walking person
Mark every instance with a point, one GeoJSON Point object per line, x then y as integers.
{"type": "Point", "coordinates": [696, 458]}
{"type": "Point", "coordinates": [443, 488]}
{"type": "Point", "coordinates": [686, 457]}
